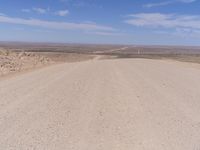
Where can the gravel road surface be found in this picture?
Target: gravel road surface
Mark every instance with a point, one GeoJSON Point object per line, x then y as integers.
{"type": "Point", "coordinates": [118, 104]}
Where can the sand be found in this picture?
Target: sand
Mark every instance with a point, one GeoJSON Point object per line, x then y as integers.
{"type": "Point", "coordinates": [116, 104]}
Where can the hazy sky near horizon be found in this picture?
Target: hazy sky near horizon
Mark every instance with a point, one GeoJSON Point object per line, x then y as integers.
{"type": "Point", "coordinates": [160, 22]}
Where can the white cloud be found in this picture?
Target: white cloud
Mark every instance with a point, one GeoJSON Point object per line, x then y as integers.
{"type": "Point", "coordinates": [184, 25]}
{"type": "Point", "coordinates": [187, 33]}
{"type": "Point", "coordinates": [181, 32]}
{"type": "Point", "coordinates": [26, 10]}
{"type": "Point", "coordinates": [36, 9]}
{"type": "Point", "coordinates": [149, 5]}
{"type": "Point", "coordinates": [164, 20]}
{"type": "Point", "coordinates": [55, 25]}
{"type": "Point", "coordinates": [62, 13]}
{"type": "Point", "coordinates": [187, 1]}
{"type": "Point", "coordinates": [105, 33]}
{"type": "Point", "coordinates": [40, 10]}
{"type": "Point", "coordinates": [164, 3]}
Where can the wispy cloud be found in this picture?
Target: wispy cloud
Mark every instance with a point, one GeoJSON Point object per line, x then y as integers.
{"type": "Point", "coordinates": [37, 10]}
{"type": "Point", "coordinates": [26, 10]}
{"type": "Point", "coordinates": [164, 20]}
{"type": "Point", "coordinates": [181, 32]}
{"type": "Point", "coordinates": [187, 1]}
{"type": "Point", "coordinates": [179, 23]}
{"type": "Point", "coordinates": [105, 33]}
{"type": "Point", "coordinates": [150, 5]}
{"type": "Point", "coordinates": [164, 3]}
{"type": "Point", "coordinates": [62, 13]}
{"type": "Point", "coordinates": [40, 10]}
{"type": "Point", "coordinates": [56, 25]}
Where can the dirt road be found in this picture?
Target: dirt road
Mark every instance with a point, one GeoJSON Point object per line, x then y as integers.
{"type": "Point", "coordinates": [111, 50]}
{"type": "Point", "coordinates": [122, 104]}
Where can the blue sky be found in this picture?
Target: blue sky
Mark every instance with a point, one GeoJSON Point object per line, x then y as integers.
{"type": "Point", "coordinates": [150, 22]}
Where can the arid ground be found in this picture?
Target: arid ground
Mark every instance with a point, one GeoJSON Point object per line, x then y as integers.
{"type": "Point", "coordinates": [106, 102]}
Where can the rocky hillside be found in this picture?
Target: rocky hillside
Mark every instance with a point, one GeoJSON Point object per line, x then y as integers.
{"type": "Point", "coordinates": [15, 62]}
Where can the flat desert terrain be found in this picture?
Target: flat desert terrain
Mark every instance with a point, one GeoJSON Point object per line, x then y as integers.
{"type": "Point", "coordinates": [113, 104]}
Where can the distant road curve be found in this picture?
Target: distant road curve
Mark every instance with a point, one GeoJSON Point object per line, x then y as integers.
{"type": "Point", "coordinates": [119, 104]}
{"type": "Point", "coordinates": [111, 50]}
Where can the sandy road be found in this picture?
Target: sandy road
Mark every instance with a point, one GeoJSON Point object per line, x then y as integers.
{"type": "Point", "coordinates": [111, 50]}
{"type": "Point", "coordinates": [121, 104]}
